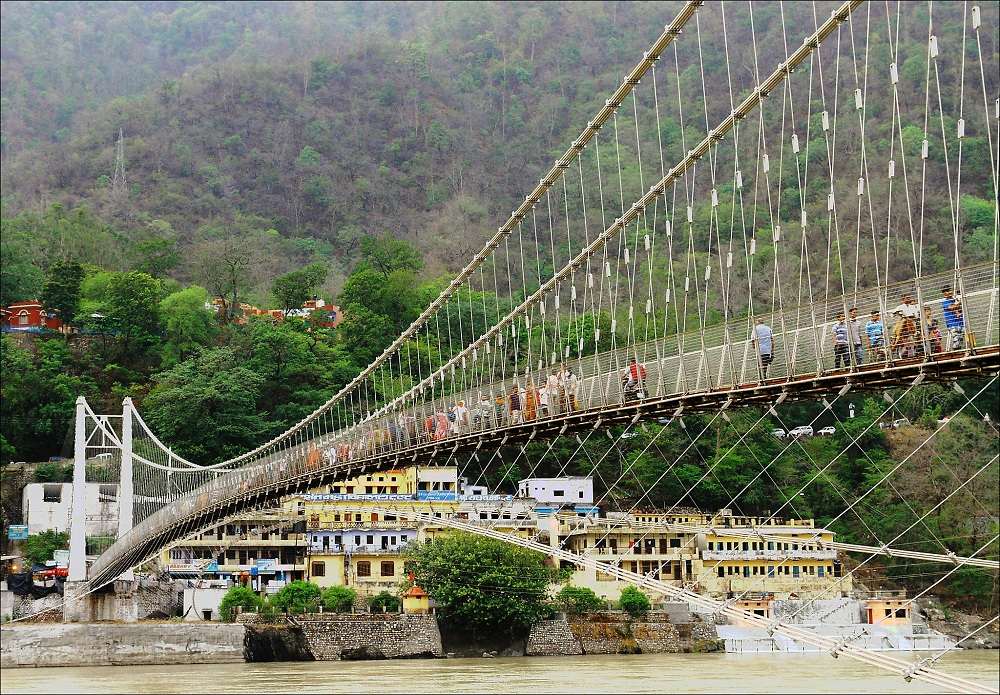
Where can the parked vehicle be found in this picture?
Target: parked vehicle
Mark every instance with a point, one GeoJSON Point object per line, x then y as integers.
{"type": "Point", "coordinates": [900, 422]}
{"type": "Point", "coordinates": [802, 431]}
{"type": "Point", "coordinates": [779, 433]}
{"type": "Point", "coordinates": [826, 431]}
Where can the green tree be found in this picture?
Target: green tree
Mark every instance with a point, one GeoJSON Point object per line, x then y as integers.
{"type": "Point", "coordinates": [387, 254]}
{"type": "Point", "coordinates": [212, 391]}
{"type": "Point", "coordinates": [384, 602]}
{"type": "Point", "coordinates": [578, 599]}
{"type": "Point", "coordinates": [634, 602]}
{"type": "Point", "coordinates": [40, 546]}
{"type": "Point", "coordinates": [339, 599]}
{"type": "Point", "coordinates": [54, 472]}
{"type": "Point", "coordinates": [293, 289]}
{"type": "Point", "coordinates": [187, 323]}
{"type": "Point", "coordinates": [238, 596]}
{"type": "Point", "coordinates": [132, 305]}
{"type": "Point", "coordinates": [61, 292]}
{"type": "Point", "coordinates": [297, 597]}
{"type": "Point", "coordinates": [482, 585]}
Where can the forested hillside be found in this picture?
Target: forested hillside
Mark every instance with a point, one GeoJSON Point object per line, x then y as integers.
{"type": "Point", "coordinates": [304, 127]}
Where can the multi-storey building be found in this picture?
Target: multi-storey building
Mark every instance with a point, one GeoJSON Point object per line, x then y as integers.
{"type": "Point", "coordinates": [773, 559]}
{"type": "Point", "coordinates": [263, 549]}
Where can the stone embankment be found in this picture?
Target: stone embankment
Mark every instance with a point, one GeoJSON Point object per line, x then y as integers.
{"type": "Point", "coordinates": [613, 632]}
{"type": "Point", "coordinates": [336, 636]}
{"type": "Point", "coordinates": [111, 644]}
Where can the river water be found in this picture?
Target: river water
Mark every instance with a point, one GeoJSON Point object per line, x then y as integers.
{"type": "Point", "coordinates": [695, 673]}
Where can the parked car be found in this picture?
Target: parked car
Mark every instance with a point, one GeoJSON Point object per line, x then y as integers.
{"type": "Point", "coordinates": [779, 433]}
{"type": "Point", "coordinates": [826, 431]}
{"type": "Point", "coordinates": [802, 431]}
{"type": "Point", "coordinates": [900, 422]}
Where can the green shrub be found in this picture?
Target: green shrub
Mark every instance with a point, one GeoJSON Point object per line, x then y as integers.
{"type": "Point", "coordinates": [40, 546]}
{"type": "Point", "coordinates": [54, 472]}
{"type": "Point", "coordinates": [384, 603]}
{"type": "Point", "coordinates": [578, 599]}
{"type": "Point", "coordinates": [297, 597]}
{"type": "Point", "coordinates": [241, 596]}
{"type": "Point", "coordinates": [339, 599]}
{"type": "Point", "coordinates": [634, 602]}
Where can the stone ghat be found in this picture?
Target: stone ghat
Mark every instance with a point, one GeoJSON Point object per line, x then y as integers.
{"type": "Point", "coordinates": [336, 636]}
{"type": "Point", "coordinates": [616, 633]}
{"type": "Point", "coordinates": [110, 644]}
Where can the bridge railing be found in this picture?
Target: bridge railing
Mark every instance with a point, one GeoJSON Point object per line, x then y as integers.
{"type": "Point", "coordinates": [720, 357]}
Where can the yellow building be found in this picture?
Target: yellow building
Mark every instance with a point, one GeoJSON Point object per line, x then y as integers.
{"type": "Point", "coordinates": [772, 559]}
{"type": "Point", "coordinates": [410, 480]}
{"type": "Point", "coordinates": [668, 556]}
{"type": "Point", "coordinates": [888, 612]}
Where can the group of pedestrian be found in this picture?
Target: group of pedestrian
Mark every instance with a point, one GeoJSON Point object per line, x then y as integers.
{"type": "Point", "coordinates": [555, 394]}
{"type": "Point", "coordinates": [905, 337]}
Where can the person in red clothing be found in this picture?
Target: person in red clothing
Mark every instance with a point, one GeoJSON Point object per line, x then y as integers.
{"type": "Point", "coordinates": [632, 379]}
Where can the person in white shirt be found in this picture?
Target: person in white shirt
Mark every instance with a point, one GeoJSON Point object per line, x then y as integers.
{"type": "Point", "coordinates": [570, 385]}
{"type": "Point", "coordinates": [552, 386]}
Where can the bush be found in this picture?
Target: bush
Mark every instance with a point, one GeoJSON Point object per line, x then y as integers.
{"type": "Point", "coordinates": [634, 602]}
{"type": "Point", "coordinates": [241, 596]}
{"type": "Point", "coordinates": [40, 546]}
{"type": "Point", "coordinates": [297, 597]}
{"type": "Point", "coordinates": [384, 603]}
{"type": "Point", "coordinates": [338, 599]}
{"type": "Point", "coordinates": [578, 599]}
{"type": "Point", "coordinates": [54, 472]}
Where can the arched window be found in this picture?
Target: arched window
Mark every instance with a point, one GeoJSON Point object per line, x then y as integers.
{"type": "Point", "coordinates": [364, 568]}
{"type": "Point", "coordinates": [22, 317]}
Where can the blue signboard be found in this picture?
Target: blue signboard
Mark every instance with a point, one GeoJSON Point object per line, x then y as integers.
{"type": "Point", "coordinates": [212, 567]}
{"type": "Point", "coordinates": [436, 495]}
{"type": "Point", "coordinates": [17, 532]}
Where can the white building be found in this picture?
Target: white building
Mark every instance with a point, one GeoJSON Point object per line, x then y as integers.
{"type": "Point", "coordinates": [49, 507]}
{"type": "Point", "coordinates": [569, 490]}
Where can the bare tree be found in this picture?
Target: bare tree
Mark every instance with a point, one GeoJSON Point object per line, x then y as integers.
{"type": "Point", "coordinates": [222, 265]}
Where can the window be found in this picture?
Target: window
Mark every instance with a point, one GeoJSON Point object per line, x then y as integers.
{"type": "Point", "coordinates": [52, 492]}
{"type": "Point", "coordinates": [888, 612]}
{"type": "Point", "coordinates": [722, 572]}
{"type": "Point", "coordinates": [388, 568]}
{"type": "Point", "coordinates": [675, 542]}
{"type": "Point", "coordinates": [364, 568]}
{"type": "Point", "coordinates": [558, 493]}
{"type": "Point", "coordinates": [580, 494]}
{"type": "Point", "coordinates": [402, 538]}
{"type": "Point", "coordinates": [369, 540]}
{"type": "Point", "coordinates": [338, 540]}
{"type": "Point", "coordinates": [357, 540]}
{"type": "Point", "coordinates": [710, 544]}
{"type": "Point", "coordinates": [900, 612]}
{"type": "Point", "coordinates": [22, 317]}
{"type": "Point", "coordinates": [318, 569]}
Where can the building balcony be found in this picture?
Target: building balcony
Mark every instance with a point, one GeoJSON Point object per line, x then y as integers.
{"type": "Point", "coordinates": [771, 555]}
{"type": "Point", "coordinates": [612, 554]}
{"type": "Point", "coordinates": [252, 541]}
{"type": "Point", "coordinates": [398, 525]}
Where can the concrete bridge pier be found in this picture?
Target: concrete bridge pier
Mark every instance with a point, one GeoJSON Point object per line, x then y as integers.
{"type": "Point", "coordinates": [117, 602]}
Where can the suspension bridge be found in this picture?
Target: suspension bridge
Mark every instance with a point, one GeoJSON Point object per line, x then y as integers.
{"type": "Point", "coordinates": [699, 247]}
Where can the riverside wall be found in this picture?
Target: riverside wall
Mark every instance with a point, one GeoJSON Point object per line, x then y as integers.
{"type": "Point", "coordinates": [614, 632]}
{"type": "Point", "coordinates": [336, 636]}
{"type": "Point", "coordinates": [115, 644]}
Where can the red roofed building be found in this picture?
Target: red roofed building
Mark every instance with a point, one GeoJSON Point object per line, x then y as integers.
{"type": "Point", "coordinates": [29, 315]}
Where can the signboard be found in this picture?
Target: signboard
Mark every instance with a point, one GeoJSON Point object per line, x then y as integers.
{"type": "Point", "coordinates": [266, 566]}
{"type": "Point", "coordinates": [17, 532]}
{"type": "Point", "coordinates": [357, 498]}
{"type": "Point", "coordinates": [437, 495]}
{"type": "Point", "coordinates": [212, 567]}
